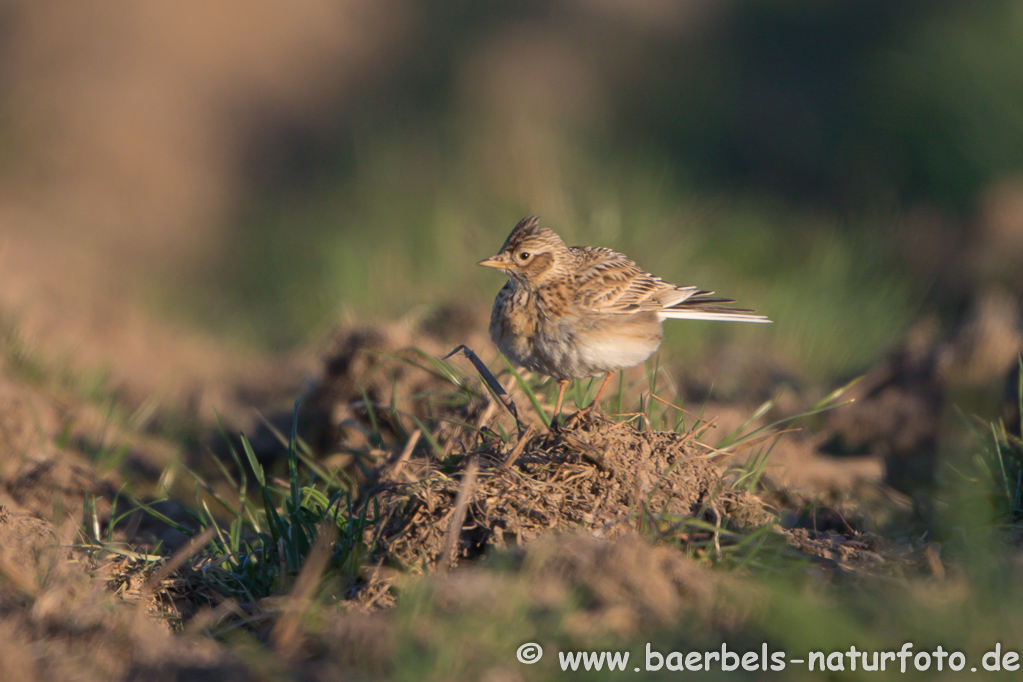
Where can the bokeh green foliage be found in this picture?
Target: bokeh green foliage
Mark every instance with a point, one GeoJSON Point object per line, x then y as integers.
{"type": "Point", "coordinates": [770, 151]}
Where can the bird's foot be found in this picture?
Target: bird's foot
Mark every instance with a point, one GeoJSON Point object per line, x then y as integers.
{"type": "Point", "coordinates": [580, 415]}
{"type": "Point", "coordinates": [554, 429]}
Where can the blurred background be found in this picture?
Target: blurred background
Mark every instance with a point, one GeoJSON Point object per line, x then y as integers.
{"type": "Point", "coordinates": [211, 207]}
{"type": "Point", "coordinates": [185, 186]}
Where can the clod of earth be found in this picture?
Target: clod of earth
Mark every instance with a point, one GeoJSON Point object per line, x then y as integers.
{"type": "Point", "coordinates": [598, 476]}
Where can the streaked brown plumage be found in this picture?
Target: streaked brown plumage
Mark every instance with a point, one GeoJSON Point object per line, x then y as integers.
{"type": "Point", "coordinates": [583, 311]}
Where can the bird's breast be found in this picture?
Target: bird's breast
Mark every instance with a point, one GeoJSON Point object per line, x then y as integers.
{"type": "Point", "coordinates": [546, 331]}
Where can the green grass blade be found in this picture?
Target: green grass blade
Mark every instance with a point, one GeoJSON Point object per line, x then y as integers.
{"type": "Point", "coordinates": [437, 449]}
{"type": "Point", "coordinates": [257, 468]}
{"type": "Point", "coordinates": [530, 394]}
{"type": "Point", "coordinates": [375, 436]}
{"type": "Point", "coordinates": [296, 490]}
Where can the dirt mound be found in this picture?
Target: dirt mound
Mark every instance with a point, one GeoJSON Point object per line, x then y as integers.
{"type": "Point", "coordinates": [627, 585]}
{"type": "Point", "coordinates": [589, 586]}
{"type": "Point", "coordinates": [895, 413]}
{"type": "Point", "coordinates": [37, 473]}
{"type": "Point", "coordinates": [22, 539]}
{"type": "Point", "coordinates": [596, 475]}
{"type": "Point", "coordinates": [370, 378]}
{"type": "Point", "coordinates": [58, 622]}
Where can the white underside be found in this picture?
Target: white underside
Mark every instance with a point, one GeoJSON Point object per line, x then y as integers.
{"type": "Point", "coordinates": [601, 355]}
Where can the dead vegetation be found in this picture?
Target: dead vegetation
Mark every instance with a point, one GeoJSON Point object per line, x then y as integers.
{"type": "Point", "coordinates": [597, 476]}
{"type": "Point", "coordinates": [439, 497]}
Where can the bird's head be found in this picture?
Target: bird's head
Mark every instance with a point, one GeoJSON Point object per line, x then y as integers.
{"type": "Point", "coordinates": [532, 255]}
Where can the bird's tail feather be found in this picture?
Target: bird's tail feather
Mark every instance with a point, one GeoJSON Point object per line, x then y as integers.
{"type": "Point", "coordinates": [711, 312]}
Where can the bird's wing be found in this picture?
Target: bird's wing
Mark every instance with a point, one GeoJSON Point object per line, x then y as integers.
{"type": "Point", "coordinates": [608, 282]}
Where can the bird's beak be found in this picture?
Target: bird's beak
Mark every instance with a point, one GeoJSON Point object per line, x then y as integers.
{"type": "Point", "coordinates": [494, 262]}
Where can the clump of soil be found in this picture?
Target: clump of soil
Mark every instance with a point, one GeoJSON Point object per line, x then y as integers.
{"type": "Point", "coordinates": [58, 622]}
{"type": "Point", "coordinates": [596, 475]}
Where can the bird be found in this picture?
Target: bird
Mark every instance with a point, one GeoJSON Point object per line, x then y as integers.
{"type": "Point", "coordinates": [573, 312]}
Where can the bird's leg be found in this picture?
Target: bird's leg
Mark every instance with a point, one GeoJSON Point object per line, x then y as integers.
{"type": "Point", "coordinates": [603, 386]}
{"type": "Point", "coordinates": [596, 399]}
{"type": "Point", "coordinates": [562, 385]}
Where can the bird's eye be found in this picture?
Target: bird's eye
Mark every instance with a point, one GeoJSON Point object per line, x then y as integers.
{"type": "Point", "coordinates": [524, 255]}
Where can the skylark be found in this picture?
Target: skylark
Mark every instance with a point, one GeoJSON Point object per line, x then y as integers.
{"type": "Point", "coordinates": [572, 312]}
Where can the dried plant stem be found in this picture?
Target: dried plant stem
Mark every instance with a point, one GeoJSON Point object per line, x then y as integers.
{"type": "Point", "coordinates": [458, 516]}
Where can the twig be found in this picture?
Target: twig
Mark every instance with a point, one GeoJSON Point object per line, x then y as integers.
{"type": "Point", "coordinates": [519, 446]}
{"type": "Point", "coordinates": [458, 517]}
{"type": "Point", "coordinates": [736, 448]}
{"type": "Point", "coordinates": [410, 445]}
{"type": "Point", "coordinates": [178, 559]}
{"type": "Point", "coordinates": [211, 617]}
{"type": "Point", "coordinates": [285, 635]}
{"type": "Point", "coordinates": [677, 407]}
{"type": "Point", "coordinates": [717, 530]}
{"type": "Point", "coordinates": [486, 414]}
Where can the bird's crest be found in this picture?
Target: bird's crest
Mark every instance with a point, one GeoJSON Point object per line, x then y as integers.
{"type": "Point", "coordinates": [529, 228]}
